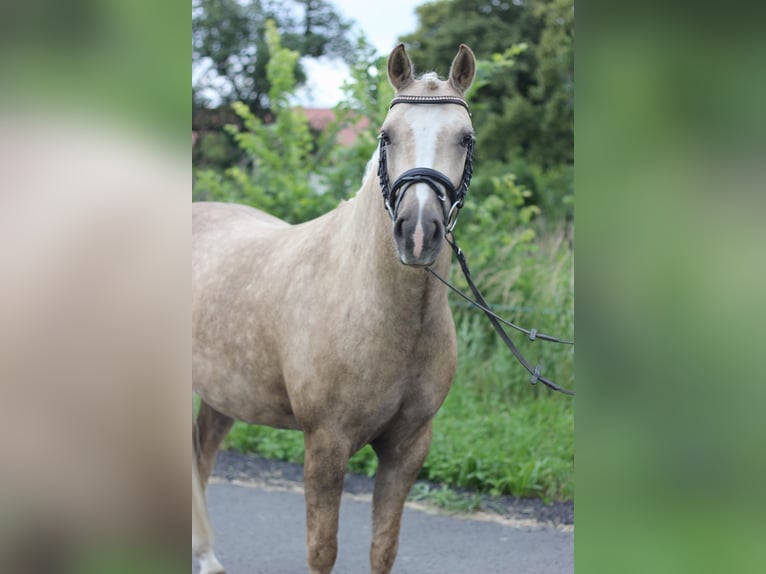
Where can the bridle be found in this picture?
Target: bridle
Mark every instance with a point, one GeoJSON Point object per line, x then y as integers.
{"type": "Point", "coordinates": [436, 180]}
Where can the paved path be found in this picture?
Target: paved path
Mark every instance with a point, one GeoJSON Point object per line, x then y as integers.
{"type": "Point", "coordinates": [261, 530]}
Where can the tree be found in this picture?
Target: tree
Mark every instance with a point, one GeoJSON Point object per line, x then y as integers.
{"type": "Point", "coordinates": [229, 49]}
{"type": "Point", "coordinates": [283, 174]}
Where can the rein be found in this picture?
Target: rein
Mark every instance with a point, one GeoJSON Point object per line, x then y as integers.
{"type": "Point", "coordinates": [495, 319]}
{"type": "Point", "coordinates": [436, 180]}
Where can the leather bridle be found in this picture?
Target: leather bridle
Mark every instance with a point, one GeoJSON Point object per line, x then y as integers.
{"type": "Point", "coordinates": [436, 180]}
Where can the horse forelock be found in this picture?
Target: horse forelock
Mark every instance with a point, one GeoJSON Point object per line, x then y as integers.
{"type": "Point", "coordinates": [429, 84]}
{"type": "Point", "coordinates": [430, 80]}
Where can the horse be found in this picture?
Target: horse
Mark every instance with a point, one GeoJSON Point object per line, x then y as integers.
{"type": "Point", "coordinates": [332, 327]}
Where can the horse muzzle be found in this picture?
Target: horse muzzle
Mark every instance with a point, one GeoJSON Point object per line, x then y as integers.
{"type": "Point", "coordinates": [419, 231]}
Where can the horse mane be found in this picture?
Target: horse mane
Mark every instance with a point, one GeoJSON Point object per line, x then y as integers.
{"type": "Point", "coordinates": [370, 170]}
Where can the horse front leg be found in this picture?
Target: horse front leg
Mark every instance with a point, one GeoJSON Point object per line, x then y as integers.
{"type": "Point", "coordinates": [324, 468]}
{"type": "Point", "coordinates": [208, 433]}
{"type": "Point", "coordinates": [399, 462]}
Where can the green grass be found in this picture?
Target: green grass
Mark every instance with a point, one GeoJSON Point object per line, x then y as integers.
{"type": "Point", "coordinates": [486, 441]}
{"type": "Point", "coordinates": [495, 433]}
{"type": "Point", "coordinates": [445, 498]}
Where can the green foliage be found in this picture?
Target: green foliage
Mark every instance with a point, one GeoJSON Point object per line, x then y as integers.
{"type": "Point", "coordinates": [288, 171]}
{"type": "Point", "coordinates": [368, 92]}
{"type": "Point", "coordinates": [488, 70]}
{"type": "Point", "coordinates": [366, 95]}
{"type": "Point", "coordinates": [267, 442]}
{"type": "Point", "coordinates": [445, 498]}
{"type": "Point", "coordinates": [284, 176]}
{"type": "Point", "coordinates": [215, 150]}
{"type": "Point", "coordinates": [125, 558]}
{"type": "Point", "coordinates": [494, 435]}
{"type": "Point", "coordinates": [504, 211]}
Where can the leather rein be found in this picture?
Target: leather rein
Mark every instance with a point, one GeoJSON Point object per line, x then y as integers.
{"type": "Point", "coordinates": [441, 185]}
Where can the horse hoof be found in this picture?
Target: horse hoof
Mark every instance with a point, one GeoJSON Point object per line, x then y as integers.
{"type": "Point", "coordinates": [209, 564]}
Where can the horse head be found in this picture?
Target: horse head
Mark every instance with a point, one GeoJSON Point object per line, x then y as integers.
{"type": "Point", "coordinates": [426, 144]}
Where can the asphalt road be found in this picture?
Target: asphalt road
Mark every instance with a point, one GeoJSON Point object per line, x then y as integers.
{"type": "Point", "coordinates": [260, 529]}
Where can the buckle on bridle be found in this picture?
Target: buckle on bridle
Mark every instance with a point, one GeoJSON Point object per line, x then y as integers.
{"type": "Point", "coordinates": [454, 213]}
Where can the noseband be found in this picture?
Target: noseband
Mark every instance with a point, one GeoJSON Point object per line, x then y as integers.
{"type": "Point", "coordinates": [436, 180]}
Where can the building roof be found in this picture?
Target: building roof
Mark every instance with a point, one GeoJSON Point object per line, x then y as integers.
{"type": "Point", "coordinates": [320, 118]}
{"type": "Point", "coordinates": [205, 119]}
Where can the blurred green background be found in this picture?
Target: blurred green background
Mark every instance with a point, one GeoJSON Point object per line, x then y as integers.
{"type": "Point", "coordinates": [670, 278]}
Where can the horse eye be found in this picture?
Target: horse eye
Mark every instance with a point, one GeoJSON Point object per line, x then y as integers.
{"type": "Point", "coordinates": [467, 139]}
{"type": "Point", "coordinates": [384, 138]}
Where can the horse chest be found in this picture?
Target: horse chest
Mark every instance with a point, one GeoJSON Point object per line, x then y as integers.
{"type": "Point", "coordinates": [365, 382]}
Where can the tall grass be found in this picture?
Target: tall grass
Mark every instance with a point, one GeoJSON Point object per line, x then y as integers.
{"type": "Point", "coordinates": [495, 433]}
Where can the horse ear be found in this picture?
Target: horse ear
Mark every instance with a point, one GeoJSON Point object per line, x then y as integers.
{"type": "Point", "coordinates": [399, 68]}
{"type": "Point", "coordinates": [463, 69]}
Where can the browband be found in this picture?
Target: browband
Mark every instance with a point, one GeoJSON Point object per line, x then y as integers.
{"type": "Point", "coordinates": [429, 100]}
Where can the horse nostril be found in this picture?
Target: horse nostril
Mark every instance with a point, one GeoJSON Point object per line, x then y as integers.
{"type": "Point", "coordinates": [437, 231]}
{"type": "Point", "coordinates": [398, 228]}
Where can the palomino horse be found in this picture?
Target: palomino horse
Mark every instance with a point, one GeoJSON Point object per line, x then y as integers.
{"type": "Point", "coordinates": [333, 327]}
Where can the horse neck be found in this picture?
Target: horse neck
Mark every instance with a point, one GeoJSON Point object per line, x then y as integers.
{"type": "Point", "coordinates": [373, 230]}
